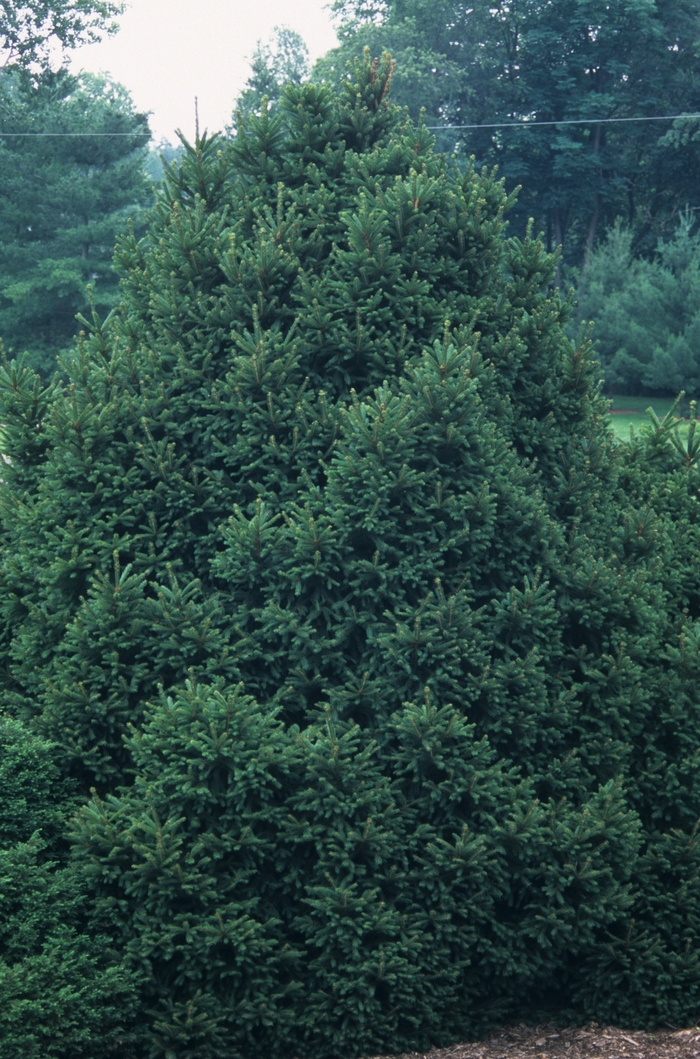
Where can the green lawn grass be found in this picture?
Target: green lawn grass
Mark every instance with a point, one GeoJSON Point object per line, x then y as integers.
{"type": "Point", "coordinates": [631, 412]}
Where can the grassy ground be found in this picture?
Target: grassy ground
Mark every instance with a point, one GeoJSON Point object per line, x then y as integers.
{"type": "Point", "coordinates": [631, 412]}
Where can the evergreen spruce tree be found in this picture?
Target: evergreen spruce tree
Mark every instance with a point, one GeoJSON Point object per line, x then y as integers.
{"type": "Point", "coordinates": [323, 568]}
{"type": "Point", "coordinates": [63, 989]}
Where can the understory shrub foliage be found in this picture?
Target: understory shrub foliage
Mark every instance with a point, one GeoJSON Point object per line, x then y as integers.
{"type": "Point", "coordinates": [324, 570]}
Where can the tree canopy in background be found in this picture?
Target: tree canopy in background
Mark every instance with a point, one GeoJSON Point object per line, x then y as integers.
{"type": "Point", "coordinates": [160, 156]}
{"type": "Point", "coordinates": [283, 60]}
{"type": "Point", "coordinates": [645, 312]}
{"type": "Point", "coordinates": [32, 33]}
{"type": "Point", "coordinates": [553, 61]}
{"type": "Point", "coordinates": [72, 156]}
{"type": "Point", "coordinates": [65, 199]}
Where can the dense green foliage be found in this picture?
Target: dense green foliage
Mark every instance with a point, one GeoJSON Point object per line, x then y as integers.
{"type": "Point", "coordinates": [63, 991]}
{"type": "Point", "coordinates": [323, 567]}
{"type": "Point", "coordinates": [488, 61]}
{"type": "Point", "coordinates": [646, 312]}
{"type": "Point", "coordinates": [65, 199]}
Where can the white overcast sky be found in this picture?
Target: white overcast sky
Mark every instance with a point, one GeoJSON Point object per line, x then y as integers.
{"type": "Point", "coordinates": [169, 51]}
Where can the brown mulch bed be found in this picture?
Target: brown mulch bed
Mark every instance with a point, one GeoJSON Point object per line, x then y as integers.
{"type": "Point", "coordinates": [550, 1042]}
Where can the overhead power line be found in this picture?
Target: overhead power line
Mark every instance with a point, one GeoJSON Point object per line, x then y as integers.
{"type": "Point", "coordinates": [433, 128]}
{"type": "Point", "coordinates": [568, 121]}
{"type": "Point", "coordinates": [35, 134]}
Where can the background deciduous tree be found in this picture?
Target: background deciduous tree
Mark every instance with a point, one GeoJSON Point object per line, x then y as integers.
{"type": "Point", "coordinates": [32, 33]}
{"type": "Point", "coordinates": [283, 60]}
{"type": "Point", "coordinates": [553, 61]}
